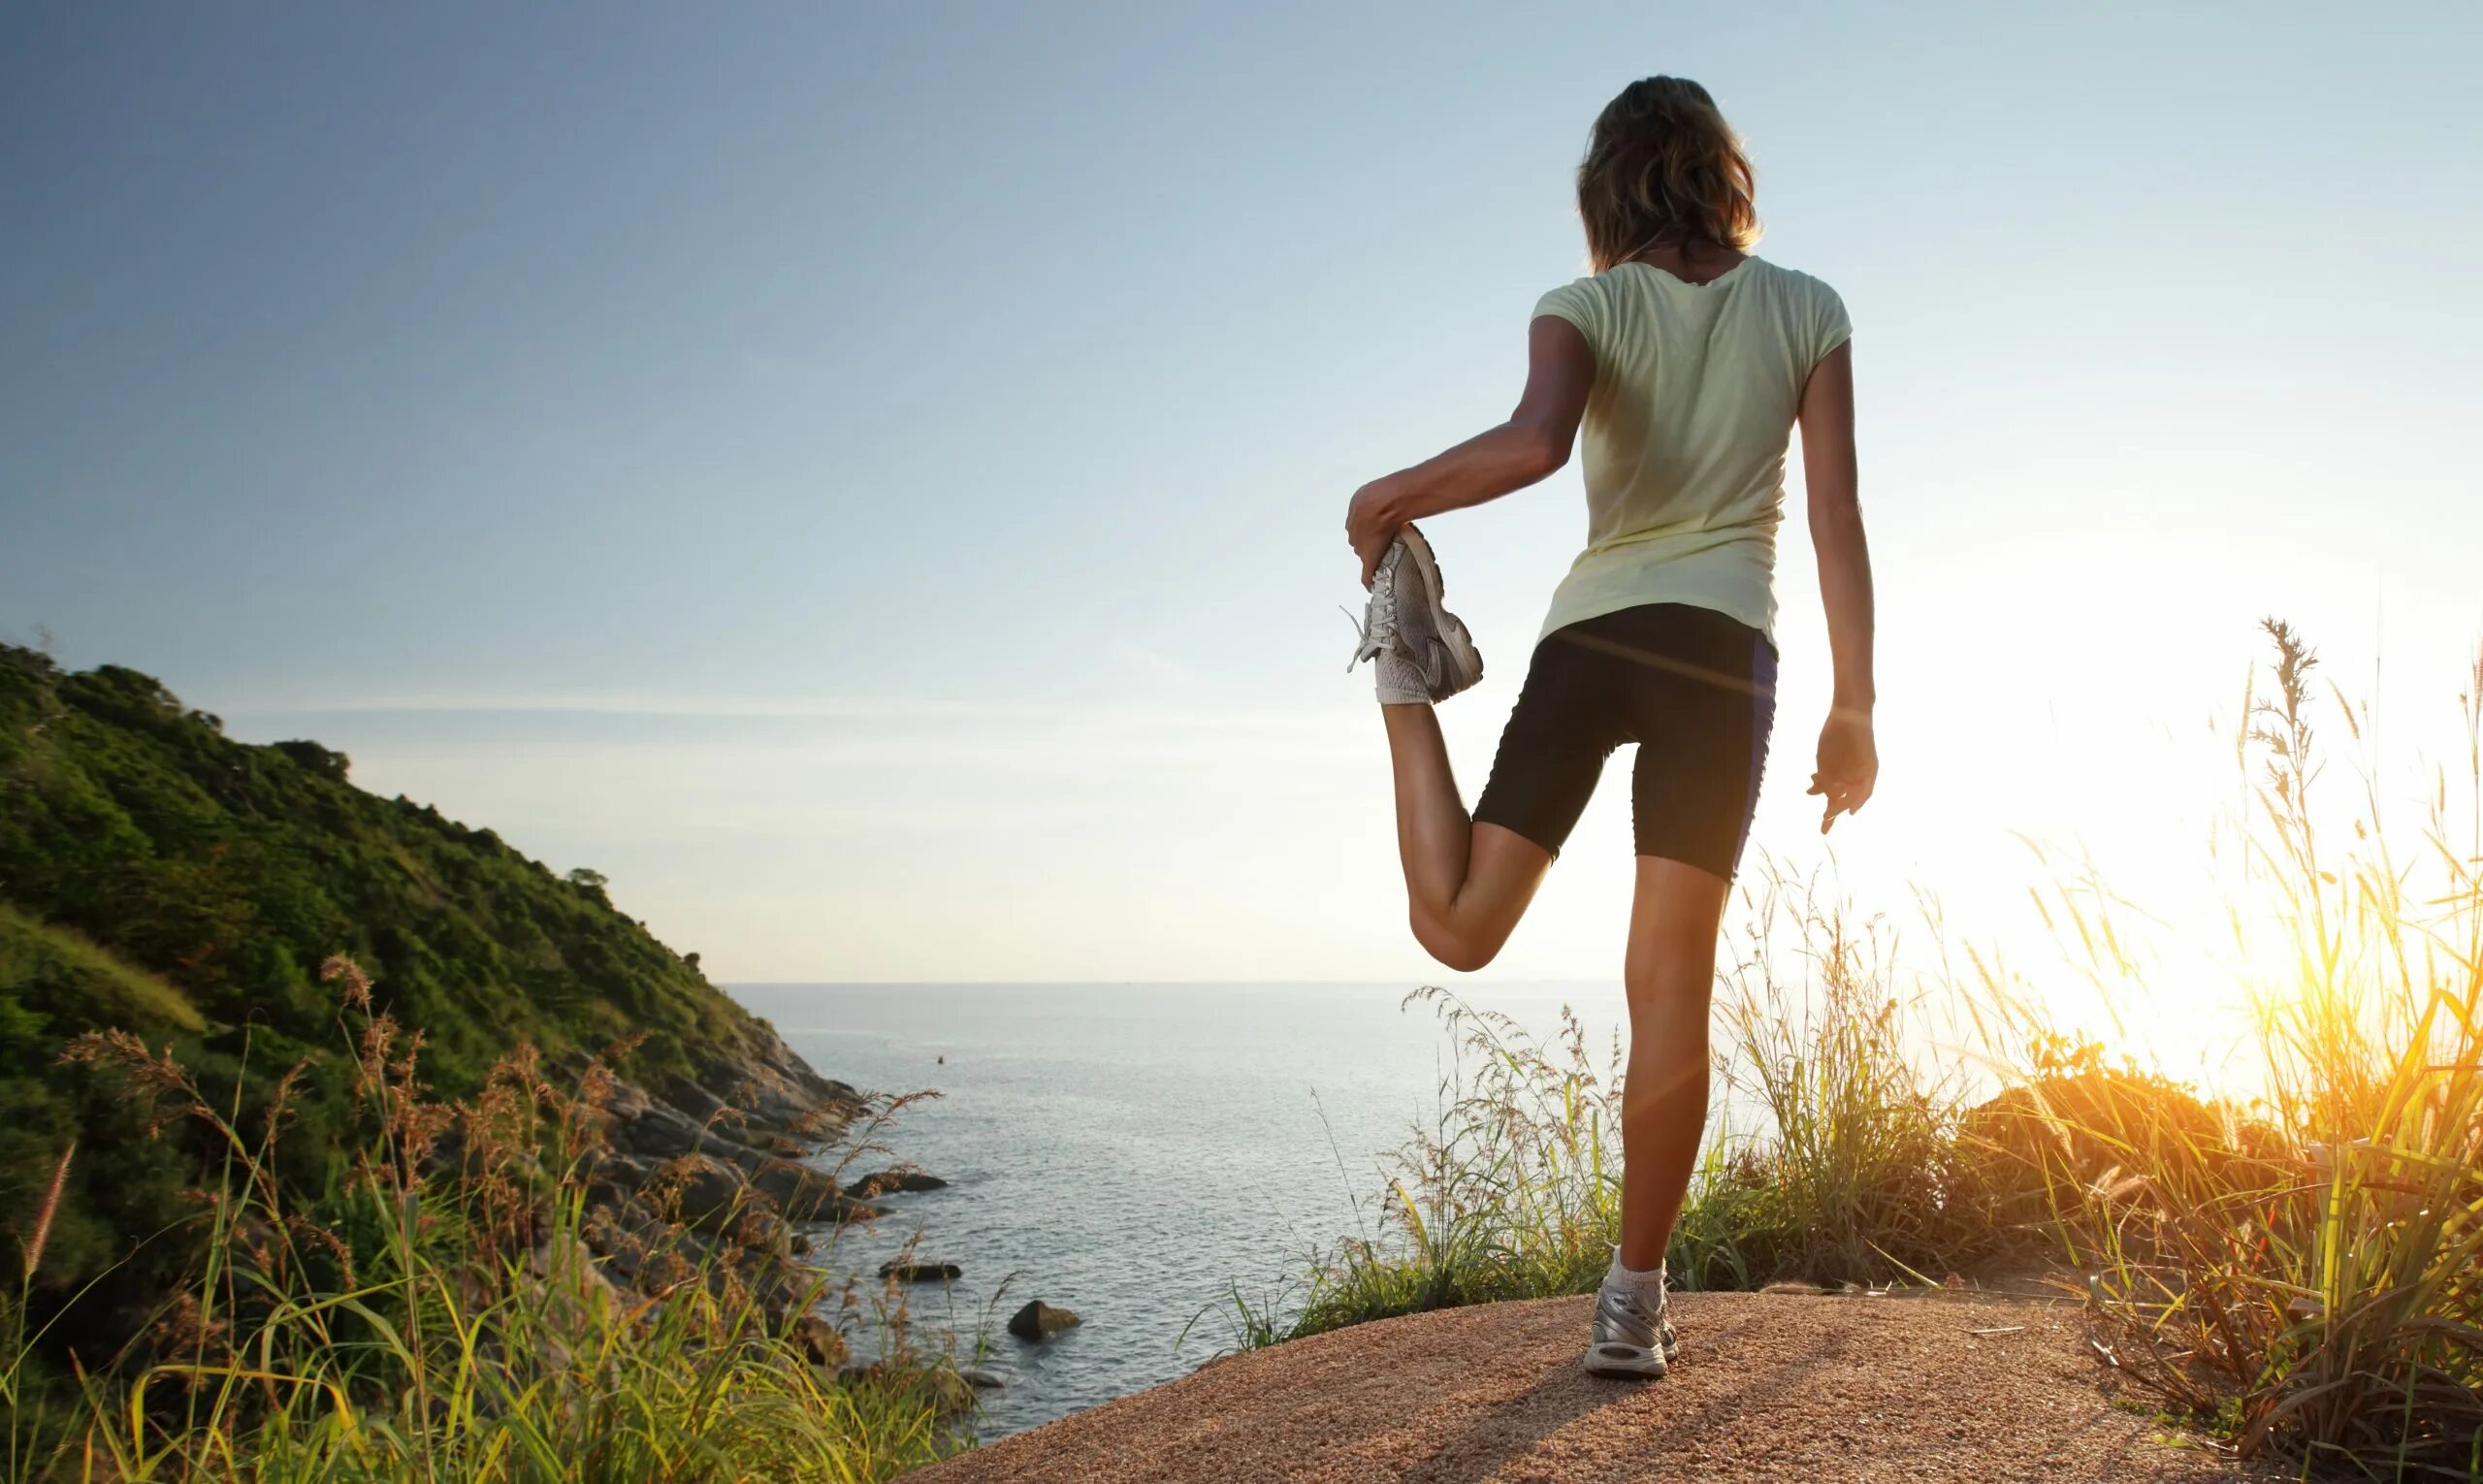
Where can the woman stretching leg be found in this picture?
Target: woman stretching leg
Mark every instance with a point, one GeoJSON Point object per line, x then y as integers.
{"type": "Point", "coordinates": [1687, 362]}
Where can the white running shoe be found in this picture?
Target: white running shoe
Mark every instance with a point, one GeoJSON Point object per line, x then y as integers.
{"type": "Point", "coordinates": [1424, 622]}
{"type": "Point", "coordinates": [1422, 651]}
{"type": "Point", "coordinates": [1633, 1337]}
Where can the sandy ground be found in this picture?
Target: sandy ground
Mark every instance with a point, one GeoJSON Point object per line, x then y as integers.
{"type": "Point", "coordinates": [1768, 1387]}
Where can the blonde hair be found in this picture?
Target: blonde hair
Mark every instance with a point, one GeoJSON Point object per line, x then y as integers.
{"type": "Point", "coordinates": [1664, 169]}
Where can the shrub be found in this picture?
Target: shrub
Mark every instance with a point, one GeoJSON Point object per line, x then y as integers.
{"type": "Point", "coordinates": [2307, 1273]}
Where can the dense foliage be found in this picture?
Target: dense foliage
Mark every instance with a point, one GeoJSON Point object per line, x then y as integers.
{"type": "Point", "coordinates": [159, 878]}
{"type": "Point", "coordinates": [338, 1140]}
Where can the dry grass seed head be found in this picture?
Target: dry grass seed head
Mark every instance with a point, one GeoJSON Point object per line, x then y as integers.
{"type": "Point", "coordinates": [340, 969]}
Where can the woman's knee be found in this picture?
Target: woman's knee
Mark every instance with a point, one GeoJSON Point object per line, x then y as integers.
{"type": "Point", "coordinates": [1668, 1072]}
{"type": "Point", "coordinates": [1670, 1012]}
{"type": "Point", "coordinates": [1462, 951]}
{"type": "Point", "coordinates": [1668, 976]}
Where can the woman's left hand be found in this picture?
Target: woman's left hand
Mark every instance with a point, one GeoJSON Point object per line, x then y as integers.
{"type": "Point", "coordinates": [1849, 763]}
{"type": "Point", "coordinates": [1370, 524]}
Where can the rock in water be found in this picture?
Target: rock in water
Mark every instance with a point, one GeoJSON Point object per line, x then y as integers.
{"type": "Point", "coordinates": [1039, 1320]}
{"type": "Point", "coordinates": [886, 1181]}
{"type": "Point", "coordinates": [950, 1392]}
{"type": "Point", "coordinates": [922, 1273]}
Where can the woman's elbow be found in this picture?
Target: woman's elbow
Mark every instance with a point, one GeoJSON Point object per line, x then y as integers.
{"type": "Point", "coordinates": [1544, 453]}
{"type": "Point", "coordinates": [1836, 507]}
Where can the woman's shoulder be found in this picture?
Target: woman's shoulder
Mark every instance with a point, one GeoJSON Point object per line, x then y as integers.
{"type": "Point", "coordinates": [1590, 289]}
{"type": "Point", "coordinates": [1792, 283]}
{"type": "Point", "coordinates": [1583, 302]}
{"type": "Point", "coordinates": [1813, 314]}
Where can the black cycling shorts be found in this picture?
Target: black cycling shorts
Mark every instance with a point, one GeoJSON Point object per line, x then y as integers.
{"type": "Point", "coordinates": [1693, 688]}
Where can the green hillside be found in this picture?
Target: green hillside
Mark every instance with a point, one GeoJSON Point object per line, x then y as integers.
{"type": "Point", "coordinates": [158, 877]}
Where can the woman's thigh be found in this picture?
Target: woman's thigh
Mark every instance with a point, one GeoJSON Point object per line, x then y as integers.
{"type": "Point", "coordinates": [1570, 714]}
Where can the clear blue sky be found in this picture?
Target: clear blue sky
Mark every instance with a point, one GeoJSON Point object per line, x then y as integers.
{"type": "Point", "coordinates": [869, 477]}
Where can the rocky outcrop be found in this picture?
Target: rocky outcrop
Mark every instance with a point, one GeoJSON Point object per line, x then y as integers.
{"type": "Point", "coordinates": [897, 1179]}
{"type": "Point", "coordinates": [711, 1175]}
{"type": "Point", "coordinates": [722, 1155]}
{"type": "Point", "coordinates": [1945, 1390]}
{"type": "Point", "coordinates": [922, 1273]}
{"type": "Point", "coordinates": [1040, 1321]}
{"type": "Point", "coordinates": [757, 1094]}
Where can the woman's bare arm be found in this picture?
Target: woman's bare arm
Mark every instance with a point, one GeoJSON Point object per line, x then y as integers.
{"type": "Point", "coordinates": [1534, 442]}
{"type": "Point", "coordinates": [1849, 761]}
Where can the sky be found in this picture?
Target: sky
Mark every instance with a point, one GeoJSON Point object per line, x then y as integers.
{"type": "Point", "coordinates": [869, 479]}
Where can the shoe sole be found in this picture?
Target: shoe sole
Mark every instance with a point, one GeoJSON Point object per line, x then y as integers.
{"type": "Point", "coordinates": [1463, 657]}
{"type": "Point", "coordinates": [1625, 1362]}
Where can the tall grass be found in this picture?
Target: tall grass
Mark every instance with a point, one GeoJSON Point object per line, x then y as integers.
{"type": "Point", "coordinates": [2307, 1268]}
{"type": "Point", "coordinates": [440, 1313]}
{"type": "Point", "coordinates": [1862, 1174]}
{"type": "Point", "coordinates": [1512, 1190]}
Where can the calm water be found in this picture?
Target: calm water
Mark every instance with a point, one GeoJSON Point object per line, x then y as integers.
{"type": "Point", "coordinates": [1131, 1151]}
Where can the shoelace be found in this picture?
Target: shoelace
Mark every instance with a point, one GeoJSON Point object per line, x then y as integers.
{"type": "Point", "coordinates": [1363, 648]}
{"type": "Point", "coordinates": [1383, 599]}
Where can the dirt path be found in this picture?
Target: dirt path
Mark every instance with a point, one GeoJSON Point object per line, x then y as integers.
{"type": "Point", "coordinates": [1768, 1387]}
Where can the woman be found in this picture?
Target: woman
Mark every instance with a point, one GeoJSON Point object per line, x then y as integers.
{"type": "Point", "coordinates": [1688, 362]}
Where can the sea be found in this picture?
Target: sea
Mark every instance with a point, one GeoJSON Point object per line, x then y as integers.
{"type": "Point", "coordinates": [1138, 1153]}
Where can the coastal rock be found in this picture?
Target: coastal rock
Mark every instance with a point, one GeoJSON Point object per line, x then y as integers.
{"type": "Point", "coordinates": [721, 1180]}
{"type": "Point", "coordinates": [661, 1131]}
{"type": "Point", "coordinates": [712, 1193]}
{"type": "Point", "coordinates": [954, 1396]}
{"type": "Point", "coordinates": [617, 1181]}
{"type": "Point", "coordinates": [982, 1381]}
{"type": "Point", "coordinates": [802, 1193]}
{"type": "Point", "coordinates": [922, 1273]}
{"type": "Point", "coordinates": [819, 1341]}
{"type": "Point", "coordinates": [624, 1100]}
{"type": "Point", "coordinates": [770, 1087]}
{"type": "Point", "coordinates": [1039, 1322]}
{"type": "Point", "coordinates": [898, 1179]}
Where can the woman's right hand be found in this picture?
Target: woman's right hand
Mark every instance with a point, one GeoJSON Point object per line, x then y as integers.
{"type": "Point", "coordinates": [1371, 521]}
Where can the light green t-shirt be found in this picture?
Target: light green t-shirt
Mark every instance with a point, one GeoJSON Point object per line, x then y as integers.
{"type": "Point", "coordinates": [1695, 388]}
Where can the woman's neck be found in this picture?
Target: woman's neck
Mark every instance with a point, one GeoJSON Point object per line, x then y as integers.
{"type": "Point", "coordinates": [1689, 262]}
